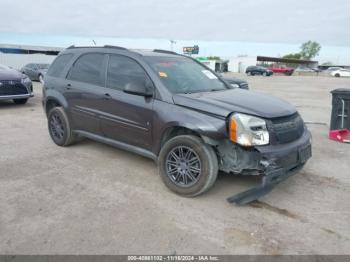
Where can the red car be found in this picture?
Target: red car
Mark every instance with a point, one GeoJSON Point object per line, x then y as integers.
{"type": "Point", "coordinates": [282, 70]}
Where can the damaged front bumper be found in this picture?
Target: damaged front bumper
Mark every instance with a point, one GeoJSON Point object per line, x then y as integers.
{"type": "Point", "coordinates": [274, 162]}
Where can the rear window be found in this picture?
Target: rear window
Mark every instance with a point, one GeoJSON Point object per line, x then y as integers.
{"type": "Point", "coordinates": [59, 64]}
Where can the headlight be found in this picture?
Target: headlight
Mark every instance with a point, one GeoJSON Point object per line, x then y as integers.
{"type": "Point", "coordinates": [25, 80]}
{"type": "Point", "coordinates": [248, 130]}
{"type": "Point", "coordinates": [235, 85]}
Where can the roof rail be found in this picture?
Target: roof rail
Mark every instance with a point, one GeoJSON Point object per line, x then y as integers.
{"type": "Point", "coordinates": [164, 51]}
{"type": "Point", "coordinates": [106, 46]}
{"type": "Point", "coordinates": [116, 47]}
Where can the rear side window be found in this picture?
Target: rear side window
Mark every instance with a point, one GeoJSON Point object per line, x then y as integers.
{"type": "Point", "coordinates": [88, 69]}
{"type": "Point", "coordinates": [58, 65]}
{"type": "Point", "coordinates": [123, 70]}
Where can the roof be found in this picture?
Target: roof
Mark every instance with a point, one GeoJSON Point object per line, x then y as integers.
{"type": "Point", "coordinates": [143, 52]}
{"type": "Point", "coordinates": [284, 60]}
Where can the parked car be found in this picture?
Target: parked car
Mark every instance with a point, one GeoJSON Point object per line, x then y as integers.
{"type": "Point", "coordinates": [282, 70]}
{"type": "Point", "coordinates": [304, 69]}
{"type": "Point", "coordinates": [35, 72]}
{"type": "Point", "coordinates": [341, 73]}
{"type": "Point", "coordinates": [173, 109]}
{"type": "Point", "coordinates": [333, 68]}
{"type": "Point", "coordinates": [14, 85]}
{"type": "Point", "coordinates": [258, 70]}
{"type": "Point", "coordinates": [236, 83]}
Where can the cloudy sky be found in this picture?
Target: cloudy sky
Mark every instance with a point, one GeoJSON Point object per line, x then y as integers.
{"type": "Point", "coordinates": [287, 23]}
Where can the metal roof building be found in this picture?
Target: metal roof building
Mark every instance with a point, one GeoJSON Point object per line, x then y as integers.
{"type": "Point", "coordinates": [17, 56]}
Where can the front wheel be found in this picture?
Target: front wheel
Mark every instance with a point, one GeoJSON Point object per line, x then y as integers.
{"type": "Point", "coordinates": [41, 78]}
{"type": "Point", "coordinates": [265, 74]}
{"type": "Point", "coordinates": [188, 166]}
{"type": "Point", "coordinates": [337, 75]}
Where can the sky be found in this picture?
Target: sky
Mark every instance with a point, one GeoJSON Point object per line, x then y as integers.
{"type": "Point", "coordinates": [221, 27]}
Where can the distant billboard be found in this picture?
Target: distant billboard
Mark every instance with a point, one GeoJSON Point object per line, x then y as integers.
{"type": "Point", "coordinates": [191, 50]}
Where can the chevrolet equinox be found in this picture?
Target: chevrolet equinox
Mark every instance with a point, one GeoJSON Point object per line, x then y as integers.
{"type": "Point", "coordinates": [173, 109]}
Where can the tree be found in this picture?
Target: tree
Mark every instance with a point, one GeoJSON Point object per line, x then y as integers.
{"type": "Point", "coordinates": [292, 56]}
{"type": "Point", "coordinates": [213, 57]}
{"type": "Point", "coordinates": [309, 50]}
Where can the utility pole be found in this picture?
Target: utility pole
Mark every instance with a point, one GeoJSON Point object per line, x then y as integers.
{"type": "Point", "coordinates": [172, 42]}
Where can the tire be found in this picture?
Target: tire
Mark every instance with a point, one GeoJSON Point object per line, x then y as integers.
{"type": "Point", "coordinates": [21, 101]}
{"type": "Point", "coordinates": [59, 127]}
{"type": "Point", "coordinates": [41, 78]}
{"type": "Point", "coordinates": [337, 75]}
{"type": "Point", "coordinates": [248, 73]}
{"type": "Point", "coordinates": [264, 74]}
{"type": "Point", "coordinates": [204, 171]}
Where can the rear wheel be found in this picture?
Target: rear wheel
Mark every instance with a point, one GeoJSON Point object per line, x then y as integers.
{"type": "Point", "coordinates": [21, 101]}
{"type": "Point", "coordinates": [187, 166]}
{"type": "Point", "coordinates": [337, 75]}
{"type": "Point", "coordinates": [59, 127]}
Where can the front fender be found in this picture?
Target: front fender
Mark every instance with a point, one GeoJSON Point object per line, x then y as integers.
{"type": "Point", "coordinates": [167, 116]}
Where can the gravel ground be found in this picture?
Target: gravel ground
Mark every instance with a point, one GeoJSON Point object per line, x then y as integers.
{"type": "Point", "coordinates": [91, 198]}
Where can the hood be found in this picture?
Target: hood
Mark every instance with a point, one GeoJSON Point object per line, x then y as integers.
{"type": "Point", "coordinates": [234, 80]}
{"type": "Point", "coordinates": [222, 103]}
{"type": "Point", "coordinates": [10, 74]}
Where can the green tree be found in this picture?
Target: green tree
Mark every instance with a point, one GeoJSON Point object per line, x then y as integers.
{"type": "Point", "coordinates": [213, 57]}
{"type": "Point", "coordinates": [309, 50]}
{"type": "Point", "coordinates": [292, 56]}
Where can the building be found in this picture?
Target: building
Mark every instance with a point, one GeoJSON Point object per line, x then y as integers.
{"type": "Point", "coordinates": [217, 65]}
{"type": "Point", "coordinates": [267, 60]}
{"type": "Point", "coordinates": [17, 56]}
{"type": "Point", "coordinates": [240, 63]}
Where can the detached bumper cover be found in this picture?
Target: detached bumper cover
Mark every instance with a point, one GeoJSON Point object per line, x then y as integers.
{"type": "Point", "coordinates": [281, 162]}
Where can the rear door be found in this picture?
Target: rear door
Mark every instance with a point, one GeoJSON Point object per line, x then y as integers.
{"type": "Point", "coordinates": [84, 89]}
{"type": "Point", "coordinates": [126, 117]}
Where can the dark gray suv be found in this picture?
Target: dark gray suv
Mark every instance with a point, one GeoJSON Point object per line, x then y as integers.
{"type": "Point", "coordinates": [176, 111]}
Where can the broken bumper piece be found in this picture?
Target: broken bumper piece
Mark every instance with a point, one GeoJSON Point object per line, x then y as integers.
{"type": "Point", "coordinates": [269, 181]}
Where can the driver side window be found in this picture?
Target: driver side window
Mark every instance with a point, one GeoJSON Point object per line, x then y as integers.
{"type": "Point", "coordinates": [123, 70]}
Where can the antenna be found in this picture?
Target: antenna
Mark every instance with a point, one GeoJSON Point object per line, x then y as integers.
{"type": "Point", "coordinates": [94, 42]}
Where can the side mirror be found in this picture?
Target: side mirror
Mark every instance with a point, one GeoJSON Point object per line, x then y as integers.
{"type": "Point", "coordinates": [139, 88]}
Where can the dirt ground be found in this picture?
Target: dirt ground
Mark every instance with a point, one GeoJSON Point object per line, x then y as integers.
{"type": "Point", "coordinates": [91, 198]}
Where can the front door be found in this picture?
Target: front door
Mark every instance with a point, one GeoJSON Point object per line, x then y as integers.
{"type": "Point", "coordinates": [126, 117]}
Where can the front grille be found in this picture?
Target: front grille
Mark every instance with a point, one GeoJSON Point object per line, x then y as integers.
{"type": "Point", "coordinates": [287, 129]}
{"type": "Point", "coordinates": [9, 87]}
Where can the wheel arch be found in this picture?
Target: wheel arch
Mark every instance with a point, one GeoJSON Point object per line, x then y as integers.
{"type": "Point", "coordinates": [177, 130]}
{"type": "Point", "coordinates": [54, 99]}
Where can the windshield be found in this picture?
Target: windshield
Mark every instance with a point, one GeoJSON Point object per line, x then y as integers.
{"type": "Point", "coordinates": [183, 75]}
{"type": "Point", "coordinates": [43, 66]}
